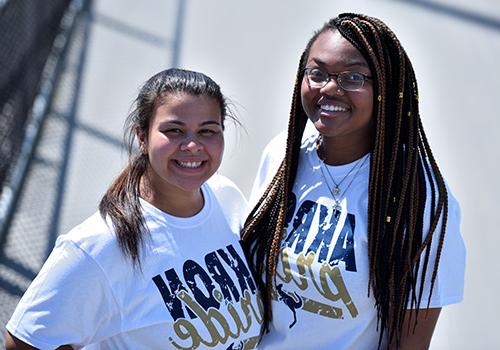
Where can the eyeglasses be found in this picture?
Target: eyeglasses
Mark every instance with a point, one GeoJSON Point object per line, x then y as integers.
{"type": "Point", "coordinates": [348, 81]}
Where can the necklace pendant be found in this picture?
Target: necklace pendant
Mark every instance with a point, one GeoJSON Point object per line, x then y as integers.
{"type": "Point", "coordinates": [337, 208]}
{"type": "Point", "coordinates": [336, 190]}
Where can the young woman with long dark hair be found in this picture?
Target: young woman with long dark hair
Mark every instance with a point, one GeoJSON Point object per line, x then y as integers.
{"type": "Point", "coordinates": [160, 265]}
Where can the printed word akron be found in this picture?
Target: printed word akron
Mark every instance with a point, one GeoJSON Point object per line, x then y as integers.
{"type": "Point", "coordinates": [212, 302]}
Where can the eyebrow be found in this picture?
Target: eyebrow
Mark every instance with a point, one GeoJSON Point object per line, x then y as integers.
{"type": "Point", "coordinates": [349, 63]}
{"type": "Point", "coordinates": [180, 122]}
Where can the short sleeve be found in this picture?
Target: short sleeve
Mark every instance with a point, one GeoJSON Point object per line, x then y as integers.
{"type": "Point", "coordinates": [449, 284]}
{"type": "Point", "coordinates": [69, 302]}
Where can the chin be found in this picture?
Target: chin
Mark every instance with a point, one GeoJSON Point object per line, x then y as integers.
{"type": "Point", "coordinates": [192, 185]}
{"type": "Point", "coordinates": [327, 131]}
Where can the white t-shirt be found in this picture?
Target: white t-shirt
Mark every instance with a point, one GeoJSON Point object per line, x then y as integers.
{"type": "Point", "coordinates": [194, 289]}
{"type": "Point", "coordinates": [321, 299]}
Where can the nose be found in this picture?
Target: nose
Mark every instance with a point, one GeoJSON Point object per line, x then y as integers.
{"type": "Point", "coordinates": [332, 87]}
{"type": "Point", "coordinates": [191, 144]}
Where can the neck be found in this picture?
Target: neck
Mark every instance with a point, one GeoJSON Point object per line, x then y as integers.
{"type": "Point", "coordinates": [176, 203]}
{"type": "Point", "coordinates": [334, 151]}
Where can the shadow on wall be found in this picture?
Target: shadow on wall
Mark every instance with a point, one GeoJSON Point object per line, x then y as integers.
{"type": "Point", "coordinates": [475, 18]}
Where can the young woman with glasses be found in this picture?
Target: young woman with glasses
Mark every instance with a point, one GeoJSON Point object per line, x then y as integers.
{"type": "Point", "coordinates": [355, 236]}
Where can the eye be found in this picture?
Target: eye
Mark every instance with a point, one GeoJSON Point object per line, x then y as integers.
{"type": "Point", "coordinates": [316, 74]}
{"type": "Point", "coordinates": [352, 76]}
{"type": "Point", "coordinates": [208, 132]}
{"type": "Point", "coordinates": [172, 131]}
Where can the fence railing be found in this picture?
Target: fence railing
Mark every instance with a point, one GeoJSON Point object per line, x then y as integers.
{"type": "Point", "coordinates": [33, 42]}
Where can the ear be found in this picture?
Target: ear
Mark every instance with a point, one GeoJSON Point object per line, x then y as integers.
{"type": "Point", "coordinates": [142, 139]}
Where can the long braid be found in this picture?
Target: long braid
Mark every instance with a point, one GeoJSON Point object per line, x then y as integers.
{"type": "Point", "coordinates": [262, 234]}
{"type": "Point", "coordinates": [403, 175]}
{"type": "Point", "coordinates": [379, 91]}
{"type": "Point", "coordinates": [397, 190]}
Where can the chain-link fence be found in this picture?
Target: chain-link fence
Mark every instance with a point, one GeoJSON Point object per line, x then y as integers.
{"type": "Point", "coordinates": [28, 30]}
{"type": "Point", "coordinates": [32, 43]}
{"type": "Point", "coordinates": [33, 114]}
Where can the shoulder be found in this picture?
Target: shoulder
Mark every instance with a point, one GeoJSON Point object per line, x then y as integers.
{"type": "Point", "coordinates": [230, 198]}
{"type": "Point", "coordinates": [275, 149]}
{"type": "Point", "coordinates": [272, 156]}
{"type": "Point", "coordinates": [95, 237]}
{"type": "Point", "coordinates": [94, 228]}
{"type": "Point", "coordinates": [224, 189]}
{"type": "Point", "coordinates": [454, 244]}
{"type": "Point", "coordinates": [454, 211]}
{"type": "Point", "coordinates": [220, 182]}
{"type": "Point", "coordinates": [270, 160]}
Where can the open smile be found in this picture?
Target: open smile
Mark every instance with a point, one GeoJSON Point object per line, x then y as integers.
{"type": "Point", "coordinates": [189, 165]}
{"type": "Point", "coordinates": [333, 108]}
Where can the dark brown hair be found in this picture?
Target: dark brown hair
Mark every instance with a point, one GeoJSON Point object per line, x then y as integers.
{"type": "Point", "coordinates": [401, 164]}
{"type": "Point", "coordinates": [121, 202]}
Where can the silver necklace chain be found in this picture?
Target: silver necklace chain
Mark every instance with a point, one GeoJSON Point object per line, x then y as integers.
{"type": "Point", "coordinates": [336, 187]}
{"type": "Point", "coordinates": [335, 190]}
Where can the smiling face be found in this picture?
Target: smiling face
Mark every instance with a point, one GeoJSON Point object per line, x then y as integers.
{"type": "Point", "coordinates": [336, 113]}
{"type": "Point", "coordinates": [185, 143]}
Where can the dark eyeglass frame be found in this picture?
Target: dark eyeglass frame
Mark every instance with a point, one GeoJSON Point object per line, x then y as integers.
{"type": "Point", "coordinates": [338, 79]}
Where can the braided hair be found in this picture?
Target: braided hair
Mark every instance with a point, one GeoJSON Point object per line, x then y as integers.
{"type": "Point", "coordinates": [401, 165]}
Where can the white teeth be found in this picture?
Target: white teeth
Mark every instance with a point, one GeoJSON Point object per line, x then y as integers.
{"type": "Point", "coordinates": [331, 108]}
{"type": "Point", "coordinates": [190, 165]}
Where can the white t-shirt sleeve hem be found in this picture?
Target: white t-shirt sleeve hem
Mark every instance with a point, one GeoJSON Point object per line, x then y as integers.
{"type": "Point", "coordinates": [440, 302]}
{"type": "Point", "coordinates": [28, 339]}
{"type": "Point", "coordinates": [51, 307]}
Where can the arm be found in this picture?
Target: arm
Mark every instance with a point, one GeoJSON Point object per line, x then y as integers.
{"type": "Point", "coordinates": [421, 338]}
{"type": "Point", "coordinates": [13, 343]}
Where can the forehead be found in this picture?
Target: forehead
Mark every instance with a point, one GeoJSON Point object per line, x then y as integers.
{"type": "Point", "coordinates": [183, 106]}
{"type": "Point", "coordinates": [184, 99]}
{"type": "Point", "coordinates": [331, 49]}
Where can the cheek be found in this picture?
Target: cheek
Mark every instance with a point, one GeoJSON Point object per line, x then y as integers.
{"type": "Point", "coordinates": [365, 101]}
{"type": "Point", "coordinates": [368, 105]}
{"type": "Point", "coordinates": [365, 110]}
{"type": "Point", "coordinates": [215, 147]}
{"type": "Point", "coordinates": [306, 96]}
{"type": "Point", "coordinates": [161, 146]}
{"type": "Point", "coordinates": [369, 98]}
